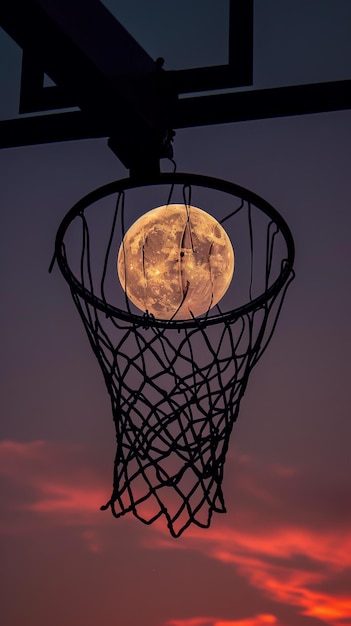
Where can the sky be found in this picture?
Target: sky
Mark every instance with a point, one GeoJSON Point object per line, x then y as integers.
{"type": "Point", "coordinates": [282, 553]}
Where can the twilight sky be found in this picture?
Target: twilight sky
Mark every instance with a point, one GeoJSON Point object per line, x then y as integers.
{"type": "Point", "coordinates": [282, 553]}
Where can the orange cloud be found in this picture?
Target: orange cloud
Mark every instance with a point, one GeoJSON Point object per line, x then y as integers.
{"type": "Point", "coordinates": [258, 620]}
{"type": "Point", "coordinates": [291, 562]}
{"type": "Point", "coordinates": [270, 563]}
{"type": "Point", "coordinates": [288, 565]}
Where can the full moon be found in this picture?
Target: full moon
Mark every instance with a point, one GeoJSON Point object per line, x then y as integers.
{"type": "Point", "coordinates": [175, 262]}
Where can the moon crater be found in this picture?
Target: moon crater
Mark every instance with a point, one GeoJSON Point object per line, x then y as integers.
{"type": "Point", "coordinates": [176, 262]}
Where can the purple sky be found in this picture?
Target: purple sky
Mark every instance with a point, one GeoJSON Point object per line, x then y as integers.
{"type": "Point", "coordinates": [282, 553]}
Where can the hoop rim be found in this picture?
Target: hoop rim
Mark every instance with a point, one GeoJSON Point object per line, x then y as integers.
{"type": "Point", "coordinates": [198, 180]}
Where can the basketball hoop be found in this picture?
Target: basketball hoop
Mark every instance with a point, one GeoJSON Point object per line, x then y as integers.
{"type": "Point", "coordinates": [175, 384]}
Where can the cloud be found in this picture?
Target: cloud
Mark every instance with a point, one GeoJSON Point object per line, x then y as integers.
{"type": "Point", "coordinates": [64, 498]}
{"type": "Point", "coordinates": [257, 620]}
{"type": "Point", "coordinates": [49, 483]}
{"type": "Point", "coordinates": [290, 565]}
{"type": "Point", "coordinates": [92, 539]}
{"type": "Point", "coordinates": [279, 550]}
{"type": "Point", "coordinates": [13, 451]}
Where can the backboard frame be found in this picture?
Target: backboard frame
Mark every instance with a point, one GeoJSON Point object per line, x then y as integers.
{"type": "Point", "coordinates": [123, 94]}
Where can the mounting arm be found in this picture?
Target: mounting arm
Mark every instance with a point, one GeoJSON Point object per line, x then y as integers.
{"type": "Point", "coordinates": [98, 67]}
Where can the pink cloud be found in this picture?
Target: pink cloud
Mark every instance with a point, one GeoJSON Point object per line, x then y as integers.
{"type": "Point", "coordinates": [13, 451]}
{"type": "Point", "coordinates": [63, 498]}
{"type": "Point", "coordinates": [50, 479]}
{"type": "Point", "coordinates": [92, 540]}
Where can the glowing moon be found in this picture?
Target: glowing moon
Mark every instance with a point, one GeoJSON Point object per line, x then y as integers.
{"type": "Point", "coordinates": [176, 262]}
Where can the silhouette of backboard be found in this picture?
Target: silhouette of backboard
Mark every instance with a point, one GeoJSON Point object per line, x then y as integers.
{"type": "Point", "coordinates": [224, 61]}
{"type": "Point", "coordinates": [311, 44]}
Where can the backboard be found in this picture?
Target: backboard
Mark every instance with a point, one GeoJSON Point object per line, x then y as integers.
{"type": "Point", "coordinates": [312, 43]}
{"type": "Point", "coordinates": [224, 61]}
